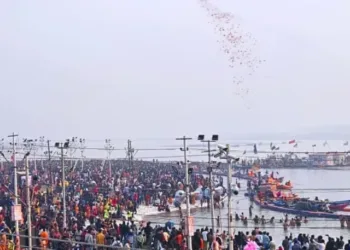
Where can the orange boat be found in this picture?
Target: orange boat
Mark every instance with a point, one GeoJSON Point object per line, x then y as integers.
{"type": "Point", "coordinates": [286, 196]}
{"type": "Point", "coordinates": [287, 186]}
{"type": "Point", "coordinates": [284, 187]}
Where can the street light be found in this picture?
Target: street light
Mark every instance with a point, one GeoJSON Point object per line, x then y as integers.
{"type": "Point", "coordinates": [109, 149]}
{"type": "Point", "coordinates": [214, 138]}
{"type": "Point", "coordinates": [184, 140]}
{"type": "Point", "coordinates": [82, 149]}
{"type": "Point", "coordinates": [42, 148]}
{"type": "Point", "coordinates": [31, 146]}
{"type": "Point", "coordinates": [224, 153]}
{"type": "Point", "coordinates": [73, 145]}
{"type": "Point", "coordinates": [2, 146]}
{"type": "Point", "coordinates": [63, 146]}
{"type": "Point", "coordinates": [29, 207]}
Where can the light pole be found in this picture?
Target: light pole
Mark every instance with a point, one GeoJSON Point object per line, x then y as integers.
{"type": "Point", "coordinates": [13, 135]}
{"type": "Point", "coordinates": [109, 148]}
{"type": "Point", "coordinates": [224, 153]}
{"type": "Point", "coordinates": [82, 149]}
{"type": "Point", "coordinates": [48, 153]}
{"type": "Point", "coordinates": [214, 138]}
{"type": "Point", "coordinates": [42, 147]}
{"type": "Point", "coordinates": [2, 149]}
{"type": "Point", "coordinates": [29, 206]}
{"type": "Point", "coordinates": [184, 139]}
{"type": "Point", "coordinates": [30, 145]}
{"type": "Point", "coordinates": [72, 149]}
{"type": "Point", "coordinates": [63, 146]}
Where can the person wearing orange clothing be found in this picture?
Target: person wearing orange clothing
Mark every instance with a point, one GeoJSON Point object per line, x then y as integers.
{"type": "Point", "coordinates": [3, 241]}
{"type": "Point", "coordinates": [101, 209]}
{"type": "Point", "coordinates": [87, 212]}
{"type": "Point", "coordinates": [201, 244]}
{"type": "Point", "coordinates": [100, 239]}
{"type": "Point", "coordinates": [44, 241]}
{"type": "Point", "coordinates": [76, 208]}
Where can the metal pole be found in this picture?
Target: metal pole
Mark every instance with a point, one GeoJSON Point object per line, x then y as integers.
{"type": "Point", "coordinates": [15, 186]}
{"type": "Point", "coordinates": [110, 167]}
{"type": "Point", "coordinates": [129, 153]}
{"type": "Point", "coordinates": [187, 189]}
{"type": "Point", "coordinates": [82, 162]}
{"type": "Point", "coordinates": [49, 152]}
{"type": "Point", "coordinates": [63, 190]}
{"type": "Point", "coordinates": [35, 161]}
{"type": "Point", "coordinates": [188, 211]}
{"type": "Point", "coordinates": [29, 207]}
{"type": "Point", "coordinates": [211, 190]}
{"type": "Point", "coordinates": [230, 218]}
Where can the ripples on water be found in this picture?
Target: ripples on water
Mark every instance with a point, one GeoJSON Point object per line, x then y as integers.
{"type": "Point", "coordinates": [306, 182]}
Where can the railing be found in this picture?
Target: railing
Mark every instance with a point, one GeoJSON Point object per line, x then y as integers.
{"type": "Point", "coordinates": [71, 242]}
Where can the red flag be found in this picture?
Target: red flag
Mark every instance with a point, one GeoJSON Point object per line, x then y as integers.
{"type": "Point", "coordinates": [292, 142]}
{"type": "Point", "coordinates": [13, 158]}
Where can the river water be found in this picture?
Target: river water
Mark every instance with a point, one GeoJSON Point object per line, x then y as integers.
{"type": "Point", "coordinates": [306, 182]}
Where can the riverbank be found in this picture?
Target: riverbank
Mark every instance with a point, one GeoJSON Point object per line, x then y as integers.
{"type": "Point", "coordinates": [144, 211]}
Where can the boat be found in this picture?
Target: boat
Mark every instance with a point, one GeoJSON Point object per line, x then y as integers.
{"type": "Point", "coordinates": [279, 179]}
{"type": "Point", "coordinates": [291, 210]}
{"type": "Point", "coordinates": [243, 176]}
{"type": "Point", "coordinates": [284, 187]}
{"type": "Point", "coordinates": [343, 206]}
{"type": "Point", "coordinates": [340, 202]}
{"type": "Point", "coordinates": [340, 207]}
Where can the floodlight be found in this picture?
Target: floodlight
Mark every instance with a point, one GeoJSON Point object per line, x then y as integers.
{"type": "Point", "coordinates": [201, 137]}
{"type": "Point", "coordinates": [215, 137]}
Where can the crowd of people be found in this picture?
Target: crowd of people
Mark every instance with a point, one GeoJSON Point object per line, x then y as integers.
{"type": "Point", "coordinates": [102, 203]}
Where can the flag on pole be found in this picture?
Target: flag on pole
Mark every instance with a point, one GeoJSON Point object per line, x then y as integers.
{"type": "Point", "coordinates": [295, 145]}
{"type": "Point", "coordinates": [313, 145]}
{"type": "Point", "coordinates": [12, 158]}
{"type": "Point", "coordinates": [291, 141]}
{"type": "Point", "coordinates": [325, 143]}
{"type": "Point", "coordinates": [346, 143]}
{"type": "Point", "coordinates": [244, 152]}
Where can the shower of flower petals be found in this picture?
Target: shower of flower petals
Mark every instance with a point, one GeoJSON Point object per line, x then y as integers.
{"type": "Point", "coordinates": [237, 45]}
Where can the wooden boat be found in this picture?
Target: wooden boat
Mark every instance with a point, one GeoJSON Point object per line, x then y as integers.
{"type": "Point", "coordinates": [340, 202]}
{"type": "Point", "coordinates": [284, 187]}
{"type": "Point", "coordinates": [302, 213]}
{"type": "Point", "coordinates": [343, 206]}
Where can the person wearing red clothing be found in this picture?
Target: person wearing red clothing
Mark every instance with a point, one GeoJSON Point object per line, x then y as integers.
{"type": "Point", "coordinates": [94, 210]}
{"type": "Point", "coordinates": [114, 202]}
{"type": "Point", "coordinates": [136, 197]}
{"type": "Point", "coordinates": [148, 199]}
{"type": "Point", "coordinates": [95, 190]}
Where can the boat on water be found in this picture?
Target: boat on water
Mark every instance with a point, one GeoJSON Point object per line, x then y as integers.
{"type": "Point", "coordinates": [269, 193]}
{"type": "Point", "coordinates": [284, 187]}
{"type": "Point", "coordinates": [252, 176]}
{"type": "Point", "coordinates": [343, 205]}
{"type": "Point", "coordinates": [240, 175]}
{"type": "Point", "coordinates": [294, 210]}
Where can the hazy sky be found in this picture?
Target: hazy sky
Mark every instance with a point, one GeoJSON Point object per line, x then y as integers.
{"type": "Point", "coordinates": [99, 69]}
